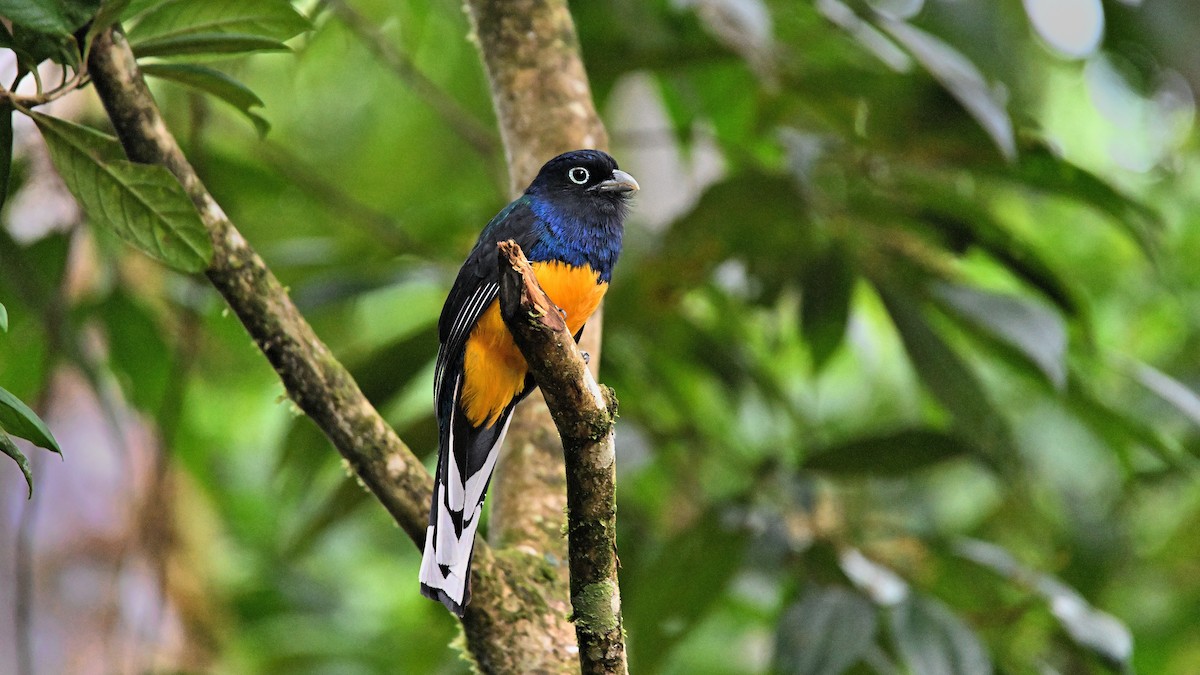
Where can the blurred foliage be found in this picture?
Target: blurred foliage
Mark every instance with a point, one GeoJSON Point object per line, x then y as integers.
{"type": "Point", "coordinates": [904, 332]}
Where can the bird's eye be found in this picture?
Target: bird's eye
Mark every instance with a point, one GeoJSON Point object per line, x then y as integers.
{"type": "Point", "coordinates": [578, 175]}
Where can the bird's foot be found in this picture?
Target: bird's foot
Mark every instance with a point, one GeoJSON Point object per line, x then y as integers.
{"type": "Point", "coordinates": [587, 358]}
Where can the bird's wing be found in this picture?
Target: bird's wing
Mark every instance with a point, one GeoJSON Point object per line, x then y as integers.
{"type": "Point", "coordinates": [477, 285]}
{"type": "Point", "coordinates": [466, 455]}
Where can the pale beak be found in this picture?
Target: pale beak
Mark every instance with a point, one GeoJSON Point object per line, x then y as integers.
{"type": "Point", "coordinates": [620, 182]}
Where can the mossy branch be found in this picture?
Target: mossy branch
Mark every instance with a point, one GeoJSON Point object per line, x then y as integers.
{"type": "Point", "coordinates": [504, 627]}
{"type": "Point", "coordinates": [585, 414]}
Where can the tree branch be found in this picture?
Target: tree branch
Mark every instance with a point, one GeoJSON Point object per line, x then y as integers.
{"type": "Point", "coordinates": [504, 625]}
{"type": "Point", "coordinates": [585, 414]}
{"type": "Point", "coordinates": [544, 107]}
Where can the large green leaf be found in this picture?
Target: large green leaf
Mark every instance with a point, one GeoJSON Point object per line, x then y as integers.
{"type": "Point", "coordinates": [825, 633]}
{"type": "Point", "coordinates": [895, 454]}
{"type": "Point", "coordinates": [55, 17]}
{"type": "Point", "coordinates": [213, 82]}
{"type": "Point", "coordinates": [207, 43]}
{"type": "Point", "coordinates": [17, 419]}
{"type": "Point", "coordinates": [1035, 331]}
{"type": "Point", "coordinates": [9, 448]}
{"type": "Point", "coordinates": [1041, 168]}
{"type": "Point", "coordinates": [933, 641]}
{"type": "Point", "coordinates": [950, 380]}
{"type": "Point", "coordinates": [274, 19]}
{"type": "Point", "coordinates": [961, 78]}
{"type": "Point", "coordinates": [1090, 628]}
{"type": "Point", "coordinates": [144, 204]}
{"type": "Point", "coordinates": [828, 286]}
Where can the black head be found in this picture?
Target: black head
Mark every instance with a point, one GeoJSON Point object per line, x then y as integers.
{"type": "Point", "coordinates": [584, 178]}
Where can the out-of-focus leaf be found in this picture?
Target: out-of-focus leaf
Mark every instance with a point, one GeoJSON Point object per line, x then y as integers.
{"type": "Point", "coordinates": [1114, 424]}
{"type": "Point", "coordinates": [961, 78]}
{"type": "Point", "coordinates": [3, 318]}
{"type": "Point", "coordinates": [1093, 629]}
{"type": "Point", "coordinates": [207, 43]}
{"type": "Point", "coordinates": [893, 454]}
{"type": "Point", "coordinates": [828, 287]}
{"type": "Point", "coordinates": [274, 19]}
{"type": "Point", "coordinates": [749, 218]}
{"type": "Point", "coordinates": [17, 419]}
{"type": "Point", "coordinates": [964, 220]}
{"type": "Point", "coordinates": [882, 585]}
{"type": "Point", "coordinates": [825, 633]}
{"type": "Point", "coordinates": [933, 641]}
{"type": "Point", "coordinates": [1039, 167]}
{"type": "Point", "coordinates": [145, 205]}
{"type": "Point", "coordinates": [867, 35]}
{"type": "Point", "coordinates": [946, 375]}
{"type": "Point", "coordinates": [55, 17]}
{"type": "Point", "coordinates": [9, 448]}
{"type": "Point", "coordinates": [1169, 389]}
{"type": "Point", "coordinates": [1036, 332]}
{"type": "Point", "coordinates": [661, 613]}
{"type": "Point", "coordinates": [212, 81]}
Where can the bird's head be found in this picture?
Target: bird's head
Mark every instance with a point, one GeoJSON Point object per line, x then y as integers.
{"type": "Point", "coordinates": [584, 181]}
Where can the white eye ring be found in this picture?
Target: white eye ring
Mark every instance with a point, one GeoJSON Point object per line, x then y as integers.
{"type": "Point", "coordinates": [578, 175]}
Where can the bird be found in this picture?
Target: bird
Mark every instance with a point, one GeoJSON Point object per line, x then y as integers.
{"type": "Point", "coordinates": [569, 222]}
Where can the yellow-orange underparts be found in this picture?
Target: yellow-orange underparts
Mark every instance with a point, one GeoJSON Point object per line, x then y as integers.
{"type": "Point", "coordinates": [493, 369]}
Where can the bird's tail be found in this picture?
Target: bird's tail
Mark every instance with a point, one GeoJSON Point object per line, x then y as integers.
{"type": "Point", "coordinates": [466, 458]}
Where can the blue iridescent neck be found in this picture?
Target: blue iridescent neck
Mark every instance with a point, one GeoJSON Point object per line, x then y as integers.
{"type": "Point", "coordinates": [576, 237]}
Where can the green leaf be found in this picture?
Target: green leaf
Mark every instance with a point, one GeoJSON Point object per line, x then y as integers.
{"type": "Point", "coordinates": [274, 19]}
{"type": "Point", "coordinates": [965, 220]}
{"type": "Point", "coordinates": [1036, 332]}
{"type": "Point", "coordinates": [9, 448]}
{"type": "Point", "coordinates": [1090, 628]}
{"type": "Point", "coordinates": [950, 380]}
{"type": "Point", "coordinates": [894, 454]}
{"type": "Point", "coordinates": [207, 43]}
{"type": "Point", "coordinates": [214, 82]}
{"type": "Point", "coordinates": [3, 318]}
{"type": "Point", "coordinates": [6, 147]}
{"type": "Point", "coordinates": [1170, 390]}
{"type": "Point", "coordinates": [961, 78]}
{"type": "Point", "coordinates": [17, 419]}
{"type": "Point", "coordinates": [825, 633]}
{"type": "Point", "coordinates": [54, 17]}
{"type": "Point", "coordinates": [828, 287]}
{"type": "Point", "coordinates": [144, 204]}
{"type": "Point", "coordinates": [33, 47]}
{"type": "Point", "coordinates": [1041, 168]}
{"type": "Point", "coordinates": [933, 641]}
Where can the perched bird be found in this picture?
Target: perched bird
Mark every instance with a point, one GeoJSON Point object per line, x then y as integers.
{"type": "Point", "coordinates": [569, 223]}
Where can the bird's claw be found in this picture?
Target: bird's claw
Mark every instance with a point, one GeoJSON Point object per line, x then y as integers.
{"type": "Point", "coordinates": [587, 358]}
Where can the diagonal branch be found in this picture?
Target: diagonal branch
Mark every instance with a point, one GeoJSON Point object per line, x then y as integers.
{"type": "Point", "coordinates": [585, 414]}
{"type": "Point", "coordinates": [505, 634]}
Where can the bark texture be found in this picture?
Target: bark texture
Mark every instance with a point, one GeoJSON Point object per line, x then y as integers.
{"type": "Point", "coordinates": [584, 413]}
{"type": "Point", "coordinates": [544, 107]}
{"type": "Point", "coordinates": [508, 625]}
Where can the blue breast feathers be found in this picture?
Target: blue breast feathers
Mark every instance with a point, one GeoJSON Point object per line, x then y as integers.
{"type": "Point", "coordinates": [576, 238]}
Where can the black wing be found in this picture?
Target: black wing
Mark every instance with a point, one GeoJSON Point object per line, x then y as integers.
{"type": "Point", "coordinates": [477, 285]}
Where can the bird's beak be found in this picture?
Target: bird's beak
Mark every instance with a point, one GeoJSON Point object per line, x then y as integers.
{"type": "Point", "coordinates": [620, 182]}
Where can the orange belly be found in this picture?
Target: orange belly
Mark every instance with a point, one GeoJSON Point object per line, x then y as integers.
{"type": "Point", "coordinates": [493, 368]}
